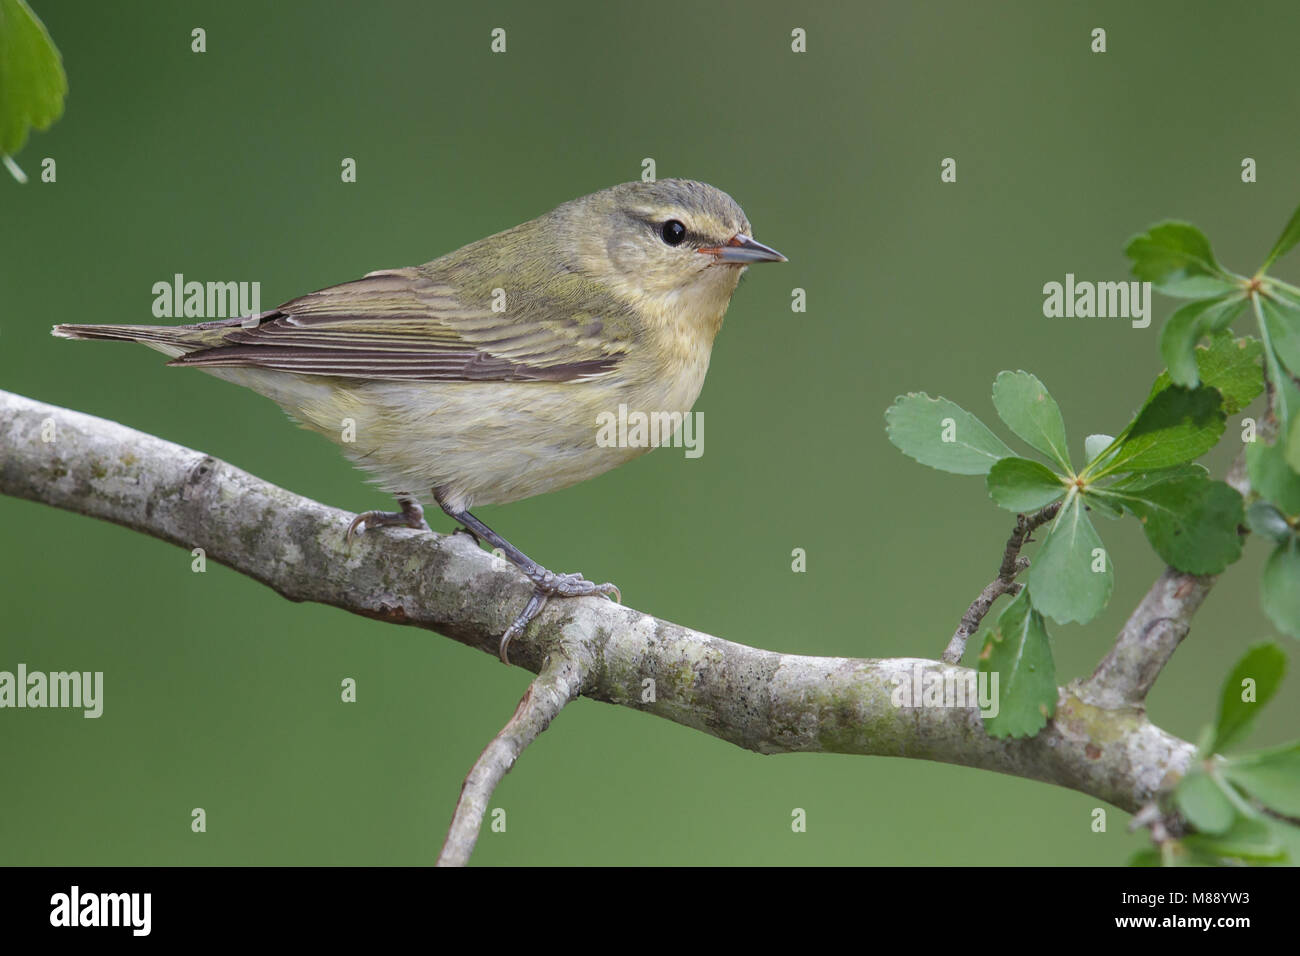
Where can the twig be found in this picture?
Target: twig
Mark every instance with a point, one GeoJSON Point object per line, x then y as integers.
{"type": "Point", "coordinates": [1004, 583]}
{"type": "Point", "coordinates": [559, 682]}
{"type": "Point", "coordinates": [757, 699]}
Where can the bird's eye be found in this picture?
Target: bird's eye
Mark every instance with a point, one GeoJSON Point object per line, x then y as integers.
{"type": "Point", "coordinates": [674, 232]}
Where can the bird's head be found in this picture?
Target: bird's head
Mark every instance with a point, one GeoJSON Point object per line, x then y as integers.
{"type": "Point", "coordinates": [667, 244]}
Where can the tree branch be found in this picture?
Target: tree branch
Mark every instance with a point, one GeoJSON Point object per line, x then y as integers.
{"type": "Point", "coordinates": [1155, 628]}
{"type": "Point", "coordinates": [757, 699]}
{"type": "Point", "coordinates": [558, 683]}
{"type": "Point", "coordinates": [1004, 583]}
{"type": "Point", "coordinates": [1148, 639]}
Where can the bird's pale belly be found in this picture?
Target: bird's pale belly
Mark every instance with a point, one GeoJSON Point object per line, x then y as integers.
{"type": "Point", "coordinates": [476, 443]}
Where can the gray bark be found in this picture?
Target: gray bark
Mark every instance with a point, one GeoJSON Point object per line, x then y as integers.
{"type": "Point", "coordinates": [757, 699]}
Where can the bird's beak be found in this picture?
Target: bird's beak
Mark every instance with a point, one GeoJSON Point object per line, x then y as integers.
{"type": "Point", "coordinates": [743, 250]}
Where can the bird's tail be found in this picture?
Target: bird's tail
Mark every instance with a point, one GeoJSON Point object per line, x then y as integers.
{"type": "Point", "coordinates": [172, 340]}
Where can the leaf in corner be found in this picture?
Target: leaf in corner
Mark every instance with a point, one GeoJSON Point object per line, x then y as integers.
{"type": "Point", "coordinates": [32, 81]}
{"type": "Point", "coordinates": [1018, 652]}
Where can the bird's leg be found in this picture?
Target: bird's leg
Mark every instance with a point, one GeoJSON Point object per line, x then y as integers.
{"type": "Point", "coordinates": [477, 539]}
{"type": "Point", "coordinates": [546, 584]}
{"type": "Point", "coordinates": [411, 516]}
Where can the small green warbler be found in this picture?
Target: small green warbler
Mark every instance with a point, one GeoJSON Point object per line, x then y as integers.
{"type": "Point", "coordinates": [479, 377]}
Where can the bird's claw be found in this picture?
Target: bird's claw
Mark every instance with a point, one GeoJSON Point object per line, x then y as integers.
{"type": "Point", "coordinates": [572, 585]}
{"type": "Point", "coordinates": [534, 606]}
{"type": "Point", "coordinates": [357, 524]}
{"type": "Point", "coordinates": [408, 517]}
{"type": "Point", "coordinates": [548, 584]}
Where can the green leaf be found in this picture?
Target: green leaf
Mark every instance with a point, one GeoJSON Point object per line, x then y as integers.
{"type": "Point", "coordinates": [1102, 506]}
{"type": "Point", "coordinates": [1290, 236]}
{"type": "Point", "coordinates": [1030, 411]}
{"type": "Point", "coordinates": [1282, 319]}
{"type": "Point", "coordinates": [32, 81]}
{"type": "Point", "coordinates": [1278, 289]}
{"type": "Point", "coordinates": [1228, 364]}
{"type": "Point", "coordinates": [1094, 445]}
{"type": "Point", "coordinates": [1248, 840]}
{"type": "Point", "coordinates": [1291, 445]}
{"type": "Point", "coordinates": [1018, 651]}
{"type": "Point", "coordinates": [1203, 802]}
{"type": "Point", "coordinates": [1175, 426]}
{"type": "Point", "coordinates": [1272, 477]}
{"type": "Point", "coordinates": [1256, 676]}
{"type": "Point", "coordinates": [1279, 588]}
{"type": "Point", "coordinates": [1287, 836]}
{"type": "Point", "coordinates": [1019, 484]}
{"type": "Point", "coordinates": [1176, 258]}
{"type": "Point", "coordinates": [943, 435]}
{"type": "Point", "coordinates": [1137, 480]}
{"type": "Point", "coordinates": [1184, 330]}
{"type": "Point", "coordinates": [1191, 521]}
{"type": "Point", "coordinates": [1061, 578]}
{"type": "Point", "coordinates": [1266, 521]}
{"type": "Point", "coordinates": [1270, 776]}
{"type": "Point", "coordinates": [1147, 856]}
{"type": "Point", "coordinates": [1286, 402]}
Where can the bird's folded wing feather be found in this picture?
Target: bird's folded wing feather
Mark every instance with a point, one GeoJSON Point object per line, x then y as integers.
{"type": "Point", "coordinates": [405, 325]}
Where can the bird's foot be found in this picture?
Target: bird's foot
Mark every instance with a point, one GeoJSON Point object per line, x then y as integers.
{"type": "Point", "coordinates": [571, 585]}
{"type": "Point", "coordinates": [411, 516]}
{"type": "Point", "coordinates": [548, 584]}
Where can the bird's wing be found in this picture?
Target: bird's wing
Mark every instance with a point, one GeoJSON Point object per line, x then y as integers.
{"type": "Point", "coordinates": [407, 325]}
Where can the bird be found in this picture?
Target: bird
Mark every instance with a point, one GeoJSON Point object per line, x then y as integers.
{"type": "Point", "coordinates": [478, 378]}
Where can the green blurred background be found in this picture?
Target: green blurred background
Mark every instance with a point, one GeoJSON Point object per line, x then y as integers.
{"type": "Point", "coordinates": [225, 166]}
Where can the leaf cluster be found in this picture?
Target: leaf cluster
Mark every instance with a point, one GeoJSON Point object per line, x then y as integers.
{"type": "Point", "coordinates": [1146, 471]}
